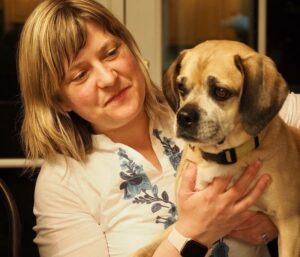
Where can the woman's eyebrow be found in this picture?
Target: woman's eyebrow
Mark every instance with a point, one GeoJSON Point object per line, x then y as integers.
{"type": "Point", "coordinates": [103, 47]}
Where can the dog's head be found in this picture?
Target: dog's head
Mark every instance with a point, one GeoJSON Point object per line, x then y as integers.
{"type": "Point", "coordinates": [220, 88]}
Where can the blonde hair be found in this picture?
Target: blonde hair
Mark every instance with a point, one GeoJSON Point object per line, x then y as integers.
{"type": "Point", "coordinates": [53, 34]}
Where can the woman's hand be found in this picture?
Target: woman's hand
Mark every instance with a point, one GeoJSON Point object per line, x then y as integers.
{"type": "Point", "coordinates": [258, 229]}
{"type": "Point", "coordinates": [210, 214]}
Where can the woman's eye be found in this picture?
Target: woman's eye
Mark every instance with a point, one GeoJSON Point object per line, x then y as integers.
{"type": "Point", "coordinates": [113, 52]}
{"type": "Point", "coordinates": [79, 76]}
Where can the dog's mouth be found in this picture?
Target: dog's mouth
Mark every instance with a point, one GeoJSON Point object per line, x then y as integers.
{"type": "Point", "coordinates": [191, 138]}
{"type": "Point", "coordinates": [194, 127]}
{"type": "Point", "coordinates": [187, 137]}
{"type": "Point", "coordinates": [221, 141]}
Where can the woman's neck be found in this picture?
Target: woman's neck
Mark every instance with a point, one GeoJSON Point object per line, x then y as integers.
{"type": "Point", "coordinates": [134, 134]}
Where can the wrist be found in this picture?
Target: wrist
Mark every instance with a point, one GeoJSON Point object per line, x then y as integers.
{"type": "Point", "coordinates": [200, 237]}
{"type": "Point", "coordinates": [186, 246]}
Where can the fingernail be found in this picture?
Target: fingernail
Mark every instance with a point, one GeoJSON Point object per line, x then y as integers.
{"type": "Point", "coordinates": [191, 165]}
{"type": "Point", "coordinates": [268, 179]}
{"type": "Point", "coordinates": [257, 163]}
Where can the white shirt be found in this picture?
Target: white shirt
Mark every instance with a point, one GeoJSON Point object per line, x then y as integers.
{"type": "Point", "coordinates": [290, 111]}
{"type": "Point", "coordinates": [115, 203]}
{"type": "Point", "coordinates": [110, 206]}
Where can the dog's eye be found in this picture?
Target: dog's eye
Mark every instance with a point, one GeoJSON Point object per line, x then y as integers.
{"type": "Point", "coordinates": [221, 94]}
{"type": "Point", "coordinates": [182, 89]}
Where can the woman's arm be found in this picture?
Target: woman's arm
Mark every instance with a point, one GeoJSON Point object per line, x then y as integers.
{"type": "Point", "coordinates": [221, 210]}
{"type": "Point", "coordinates": [290, 110]}
{"type": "Point", "coordinates": [65, 227]}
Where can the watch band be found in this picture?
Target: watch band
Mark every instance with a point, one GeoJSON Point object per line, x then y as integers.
{"type": "Point", "coordinates": [186, 246]}
{"type": "Point", "coordinates": [177, 240]}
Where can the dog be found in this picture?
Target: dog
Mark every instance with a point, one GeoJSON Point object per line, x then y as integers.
{"type": "Point", "coordinates": [226, 98]}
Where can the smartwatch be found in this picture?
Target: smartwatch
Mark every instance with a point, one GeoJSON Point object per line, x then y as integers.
{"type": "Point", "coordinates": [186, 246]}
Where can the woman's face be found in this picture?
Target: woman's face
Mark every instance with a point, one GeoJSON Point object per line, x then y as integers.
{"type": "Point", "coordinates": [104, 84]}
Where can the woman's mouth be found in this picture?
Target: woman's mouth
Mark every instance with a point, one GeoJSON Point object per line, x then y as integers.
{"type": "Point", "coordinates": [118, 96]}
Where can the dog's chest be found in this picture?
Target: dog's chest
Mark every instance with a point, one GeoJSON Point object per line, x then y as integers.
{"type": "Point", "coordinates": [207, 171]}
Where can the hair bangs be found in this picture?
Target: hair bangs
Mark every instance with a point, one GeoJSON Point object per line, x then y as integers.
{"type": "Point", "coordinates": [66, 42]}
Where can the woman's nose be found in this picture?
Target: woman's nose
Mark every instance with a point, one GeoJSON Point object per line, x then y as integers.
{"type": "Point", "coordinates": [106, 76]}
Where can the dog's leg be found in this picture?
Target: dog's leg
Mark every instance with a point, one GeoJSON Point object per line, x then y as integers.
{"type": "Point", "coordinates": [289, 241]}
{"type": "Point", "coordinates": [148, 250]}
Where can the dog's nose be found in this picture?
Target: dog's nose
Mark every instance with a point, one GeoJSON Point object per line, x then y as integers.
{"type": "Point", "coordinates": [188, 117]}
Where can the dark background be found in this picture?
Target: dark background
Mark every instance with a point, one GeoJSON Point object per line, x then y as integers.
{"type": "Point", "coordinates": [283, 39]}
{"type": "Point", "coordinates": [283, 46]}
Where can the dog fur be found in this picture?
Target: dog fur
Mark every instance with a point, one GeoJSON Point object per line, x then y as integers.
{"type": "Point", "coordinates": [223, 94]}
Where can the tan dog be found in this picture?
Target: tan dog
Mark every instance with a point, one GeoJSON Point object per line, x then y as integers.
{"type": "Point", "coordinates": [226, 98]}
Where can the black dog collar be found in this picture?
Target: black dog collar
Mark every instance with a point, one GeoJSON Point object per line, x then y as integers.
{"type": "Point", "coordinates": [230, 156]}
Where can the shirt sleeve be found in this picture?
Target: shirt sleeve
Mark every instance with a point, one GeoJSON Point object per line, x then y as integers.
{"type": "Point", "coordinates": [65, 227]}
{"type": "Point", "coordinates": [290, 110]}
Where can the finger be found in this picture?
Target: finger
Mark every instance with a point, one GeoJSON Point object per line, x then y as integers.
{"type": "Point", "coordinates": [252, 221]}
{"type": "Point", "coordinates": [220, 184]}
{"type": "Point", "coordinates": [261, 225]}
{"type": "Point", "coordinates": [242, 184]}
{"type": "Point", "coordinates": [254, 194]}
{"type": "Point", "coordinates": [188, 179]}
{"type": "Point", "coordinates": [256, 220]}
{"type": "Point", "coordinates": [241, 218]}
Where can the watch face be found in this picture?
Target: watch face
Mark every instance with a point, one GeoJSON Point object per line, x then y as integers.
{"type": "Point", "coordinates": [193, 249]}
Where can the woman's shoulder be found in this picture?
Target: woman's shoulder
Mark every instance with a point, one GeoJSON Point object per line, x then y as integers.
{"type": "Point", "coordinates": [55, 173]}
{"type": "Point", "coordinates": [60, 185]}
{"type": "Point", "coordinates": [62, 173]}
{"type": "Point", "coordinates": [61, 196]}
{"type": "Point", "coordinates": [56, 166]}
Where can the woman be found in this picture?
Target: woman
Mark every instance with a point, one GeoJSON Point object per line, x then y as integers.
{"type": "Point", "coordinates": [102, 127]}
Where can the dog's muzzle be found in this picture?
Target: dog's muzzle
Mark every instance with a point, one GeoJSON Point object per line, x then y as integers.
{"type": "Point", "coordinates": [194, 126]}
{"type": "Point", "coordinates": [187, 122]}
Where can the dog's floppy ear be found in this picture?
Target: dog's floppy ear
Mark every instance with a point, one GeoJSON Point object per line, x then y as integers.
{"type": "Point", "coordinates": [169, 83]}
{"type": "Point", "coordinates": [264, 91]}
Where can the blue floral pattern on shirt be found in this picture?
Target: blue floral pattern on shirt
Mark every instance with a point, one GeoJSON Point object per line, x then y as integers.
{"type": "Point", "coordinates": [135, 179]}
{"type": "Point", "coordinates": [170, 148]}
{"type": "Point", "coordinates": [137, 186]}
{"type": "Point", "coordinates": [158, 202]}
